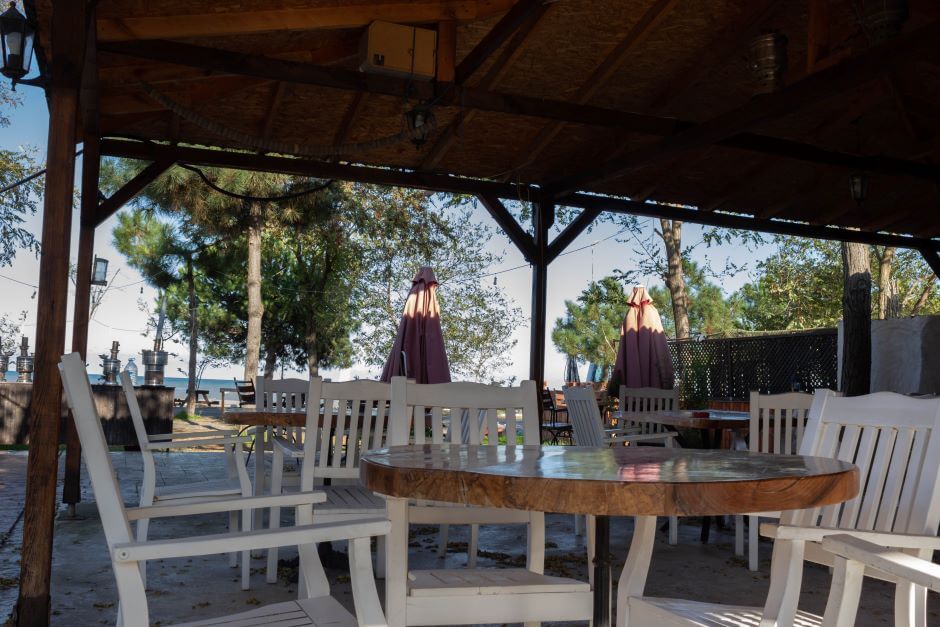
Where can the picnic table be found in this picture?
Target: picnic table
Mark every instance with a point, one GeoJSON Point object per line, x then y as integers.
{"type": "Point", "coordinates": [204, 394]}
{"type": "Point", "coordinates": [644, 482]}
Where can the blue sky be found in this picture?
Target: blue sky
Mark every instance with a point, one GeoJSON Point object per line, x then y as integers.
{"type": "Point", "coordinates": [119, 317]}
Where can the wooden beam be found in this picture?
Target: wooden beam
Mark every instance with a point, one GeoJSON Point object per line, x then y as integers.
{"type": "Point", "coordinates": [508, 224]}
{"type": "Point", "coordinates": [133, 100]}
{"type": "Point", "coordinates": [521, 11]}
{"type": "Point", "coordinates": [932, 257]}
{"type": "Point", "coordinates": [679, 133]}
{"type": "Point", "coordinates": [446, 51]}
{"type": "Point", "coordinates": [818, 34]}
{"type": "Point", "coordinates": [130, 189]}
{"type": "Point", "coordinates": [274, 101]}
{"type": "Point", "coordinates": [497, 70]}
{"type": "Point", "coordinates": [543, 214]}
{"type": "Point", "coordinates": [67, 38]}
{"type": "Point", "coordinates": [602, 73]}
{"type": "Point", "coordinates": [816, 87]}
{"type": "Point", "coordinates": [339, 15]}
{"type": "Point", "coordinates": [568, 235]}
{"type": "Point", "coordinates": [349, 116]}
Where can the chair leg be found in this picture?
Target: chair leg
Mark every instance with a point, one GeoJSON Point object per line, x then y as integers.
{"type": "Point", "coordinates": [442, 541]}
{"type": "Point", "coordinates": [473, 545]}
{"type": "Point", "coordinates": [247, 516]}
{"type": "Point", "coordinates": [589, 533]}
{"type": "Point", "coordinates": [233, 528]}
{"type": "Point", "coordinates": [844, 594]}
{"type": "Point", "coordinates": [577, 525]}
{"type": "Point", "coordinates": [380, 557]}
{"type": "Point", "coordinates": [753, 525]}
{"type": "Point", "coordinates": [277, 477]}
{"type": "Point", "coordinates": [143, 525]}
{"type": "Point", "coordinates": [673, 530]}
{"type": "Point", "coordinates": [739, 535]}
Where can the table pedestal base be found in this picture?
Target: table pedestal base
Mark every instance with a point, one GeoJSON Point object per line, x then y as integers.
{"type": "Point", "coordinates": [602, 571]}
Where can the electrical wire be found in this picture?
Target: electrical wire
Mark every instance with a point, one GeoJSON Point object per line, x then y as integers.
{"type": "Point", "coordinates": [32, 176]}
{"type": "Point", "coordinates": [231, 194]}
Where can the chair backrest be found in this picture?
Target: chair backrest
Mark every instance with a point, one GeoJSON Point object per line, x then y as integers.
{"type": "Point", "coordinates": [778, 422]}
{"type": "Point", "coordinates": [469, 413]}
{"type": "Point", "coordinates": [78, 394]}
{"type": "Point", "coordinates": [354, 419]}
{"type": "Point", "coordinates": [280, 395]}
{"type": "Point", "coordinates": [639, 400]}
{"type": "Point", "coordinates": [246, 391]}
{"type": "Point", "coordinates": [895, 442]}
{"type": "Point", "coordinates": [140, 429]}
{"type": "Point", "coordinates": [586, 423]}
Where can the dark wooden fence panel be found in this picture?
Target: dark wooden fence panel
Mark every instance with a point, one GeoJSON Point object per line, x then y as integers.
{"type": "Point", "coordinates": [729, 368]}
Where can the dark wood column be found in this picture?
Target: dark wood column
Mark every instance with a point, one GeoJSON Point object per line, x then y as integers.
{"type": "Point", "coordinates": [543, 215]}
{"type": "Point", "coordinates": [67, 34]}
{"type": "Point", "coordinates": [71, 491]}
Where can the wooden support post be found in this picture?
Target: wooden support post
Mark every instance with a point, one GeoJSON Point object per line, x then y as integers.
{"type": "Point", "coordinates": [543, 214]}
{"type": "Point", "coordinates": [71, 490]}
{"type": "Point", "coordinates": [67, 40]}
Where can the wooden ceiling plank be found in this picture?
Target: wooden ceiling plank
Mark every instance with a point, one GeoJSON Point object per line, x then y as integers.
{"type": "Point", "coordinates": [255, 20]}
{"type": "Point", "coordinates": [680, 135]}
{"type": "Point", "coordinates": [818, 33]}
{"type": "Point", "coordinates": [349, 116]}
{"type": "Point", "coordinates": [602, 73]}
{"type": "Point", "coordinates": [210, 89]}
{"type": "Point", "coordinates": [270, 112]}
{"type": "Point", "coordinates": [816, 87]}
{"type": "Point", "coordinates": [446, 51]}
{"type": "Point", "coordinates": [497, 70]}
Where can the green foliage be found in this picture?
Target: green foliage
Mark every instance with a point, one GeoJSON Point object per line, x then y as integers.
{"type": "Point", "coordinates": [21, 201]}
{"type": "Point", "coordinates": [710, 313]}
{"type": "Point", "coordinates": [10, 333]}
{"type": "Point", "coordinates": [590, 328]}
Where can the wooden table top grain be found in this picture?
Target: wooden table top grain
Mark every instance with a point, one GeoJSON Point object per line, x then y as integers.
{"type": "Point", "coordinates": [619, 481]}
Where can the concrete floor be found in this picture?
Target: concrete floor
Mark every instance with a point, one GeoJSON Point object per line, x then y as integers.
{"type": "Point", "coordinates": [83, 589]}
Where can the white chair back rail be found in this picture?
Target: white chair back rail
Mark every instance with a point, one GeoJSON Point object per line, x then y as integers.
{"type": "Point", "coordinates": [355, 420]}
{"type": "Point", "coordinates": [140, 429]}
{"type": "Point", "coordinates": [469, 413]}
{"type": "Point", "coordinates": [282, 395]}
{"type": "Point", "coordinates": [640, 400]}
{"type": "Point", "coordinates": [778, 422]}
{"type": "Point", "coordinates": [586, 422]}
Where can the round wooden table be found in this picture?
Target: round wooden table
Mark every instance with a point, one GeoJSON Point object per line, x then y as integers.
{"type": "Point", "coordinates": [644, 482]}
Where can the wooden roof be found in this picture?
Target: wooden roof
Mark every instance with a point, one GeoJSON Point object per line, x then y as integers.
{"type": "Point", "coordinates": [649, 99]}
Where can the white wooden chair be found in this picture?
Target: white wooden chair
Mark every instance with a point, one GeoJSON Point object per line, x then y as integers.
{"type": "Point", "coordinates": [235, 484]}
{"type": "Point", "coordinates": [638, 400]}
{"type": "Point", "coordinates": [588, 430]}
{"type": "Point", "coordinates": [853, 556]}
{"type": "Point", "coordinates": [777, 426]}
{"type": "Point", "coordinates": [314, 606]}
{"type": "Point", "coordinates": [343, 421]}
{"type": "Point", "coordinates": [895, 442]}
{"type": "Point", "coordinates": [277, 395]}
{"type": "Point", "coordinates": [471, 595]}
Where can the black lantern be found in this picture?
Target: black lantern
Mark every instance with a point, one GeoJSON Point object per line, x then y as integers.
{"type": "Point", "coordinates": [16, 39]}
{"type": "Point", "coordinates": [421, 122]}
{"type": "Point", "coordinates": [99, 272]}
{"type": "Point", "coordinates": [858, 185]}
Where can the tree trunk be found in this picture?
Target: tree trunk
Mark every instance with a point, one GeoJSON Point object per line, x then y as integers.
{"type": "Point", "coordinates": [889, 305]}
{"type": "Point", "coordinates": [313, 357]}
{"type": "Point", "coordinates": [270, 361]}
{"type": "Point", "coordinates": [925, 294]}
{"type": "Point", "coordinates": [255, 306]}
{"type": "Point", "coordinates": [856, 319]}
{"type": "Point", "coordinates": [675, 280]}
{"type": "Point", "coordinates": [193, 338]}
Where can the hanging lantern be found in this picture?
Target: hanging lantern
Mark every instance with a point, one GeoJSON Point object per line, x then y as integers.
{"type": "Point", "coordinates": [858, 186]}
{"type": "Point", "coordinates": [881, 19]}
{"type": "Point", "coordinates": [767, 60]}
{"type": "Point", "coordinates": [420, 122]}
{"type": "Point", "coordinates": [16, 40]}
{"type": "Point", "coordinates": [99, 272]}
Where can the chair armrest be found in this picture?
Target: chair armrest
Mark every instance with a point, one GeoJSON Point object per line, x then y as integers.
{"type": "Point", "coordinates": [225, 505]}
{"type": "Point", "coordinates": [894, 562]}
{"type": "Point", "coordinates": [287, 447]}
{"type": "Point", "coordinates": [249, 540]}
{"type": "Point", "coordinates": [219, 433]}
{"type": "Point", "coordinates": [883, 538]}
{"type": "Point", "coordinates": [198, 442]}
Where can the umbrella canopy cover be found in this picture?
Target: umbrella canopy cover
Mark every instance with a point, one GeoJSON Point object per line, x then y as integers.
{"type": "Point", "coordinates": [571, 370]}
{"type": "Point", "coordinates": [643, 358]}
{"type": "Point", "coordinates": [418, 351]}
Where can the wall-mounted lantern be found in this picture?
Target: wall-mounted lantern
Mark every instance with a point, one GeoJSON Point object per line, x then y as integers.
{"type": "Point", "coordinates": [99, 272]}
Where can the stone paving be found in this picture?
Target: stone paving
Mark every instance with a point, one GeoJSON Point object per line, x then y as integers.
{"type": "Point", "coordinates": [83, 590]}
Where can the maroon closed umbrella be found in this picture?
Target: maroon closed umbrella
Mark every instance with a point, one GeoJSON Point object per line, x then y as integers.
{"type": "Point", "coordinates": [643, 359]}
{"type": "Point", "coordinates": [418, 351]}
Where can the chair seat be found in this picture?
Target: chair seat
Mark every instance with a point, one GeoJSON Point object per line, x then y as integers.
{"type": "Point", "coordinates": [644, 611]}
{"type": "Point", "coordinates": [348, 499]}
{"type": "Point", "coordinates": [218, 487]}
{"type": "Point", "coordinates": [487, 581]}
{"type": "Point", "coordinates": [319, 611]}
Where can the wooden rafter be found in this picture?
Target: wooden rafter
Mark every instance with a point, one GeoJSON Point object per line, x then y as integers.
{"type": "Point", "coordinates": [570, 232]}
{"type": "Point", "coordinates": [602, 73]}
{"type": "Point", "coordinates": [477, 187]}
{"type": "Point", "coordinates": [210, 89]}
{"type": "Point", "coordinates": [497, 70]}
{"type": "Point", "coordinates": [252, 18]}
{"type": "Point", "coordinates": [814, 88]}
{"type": "Point", "coordinates": [523, 241]}
{"type": "Point", "coordinates": [681, 135]}
{"type": "Point", "coordinates": [520, 12]}
{"type": "Point", "coordinates": [349, 116]}
{"type": "Point", "coordinates": [130, 189]}
{"type": "Point", "coordinates": [270, 111]}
